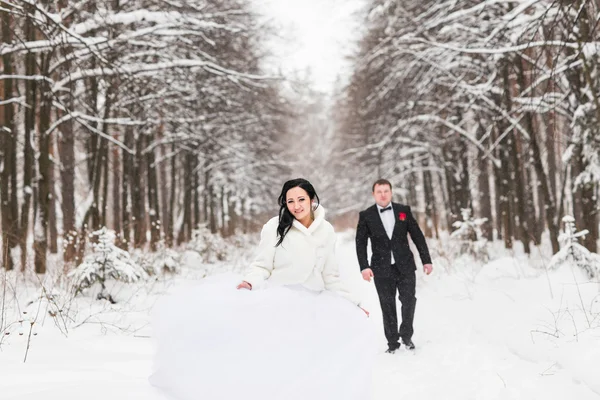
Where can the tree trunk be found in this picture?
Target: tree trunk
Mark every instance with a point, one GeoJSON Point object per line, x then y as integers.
{"type": "Point", "coordinates": [233, 217]}
{"type": "Point", "coordinates": [171, 212]}
{"type": "Point", "coordinates": [52, 228]}
{"type": "Point", "coordinates": [29, 127]}
{"type": "Point", "coordinates": [186, 227]}
{"type": "Point", "coordinates": [550, 203]}
{"type": "Point", "coordinates": [153, 197]}
{"type": "Point", "coordinates": [445, 198]}
{"type": "Point", "coordinates": [128, 181]}
{"type": "Point", "coordinates": [540, 214]}
{"type": "Point", "coordinates": [483, 183]}
{"type": "Point", "coordinates": [138, 199]}
{"type": "Point", "coordinates": [245, 211]}
{"type": "Point", "coordinates": [430, 206]}
{"type": "Point", "coordinates": [116, 190]}
{"type": "Point", "coordinates": [519, 198]}
{"type": "Point", "coordinates": [9, 208]}
{"type": "Point", "coordinates": [505, 175]}
{"type": "Point", "coordinates": [66, 150]}
{"type": "Point", "coordinates": [586, 215]}
{"type": "Point", "coordinates": [164, 186]}
{"type": "Point", "coordinates": [457, 177]}
{"type": "Point", "coordinates": [205, 199]}
{"type": "Point", "coordinates": [195, 190]}
{"type": "Point", "coordinates": [40, 244]}
{"type": "Point", "coordinates": [585, 88]}
{"type": "Point", "coordinates": [105, 183]}
{"type": "Point", "coordinates": [411, 199]}
{"type": "Point", "coordinates": [223, 212]}
{"type": "Point", "coordinates": [93, 138]}
{"type": "Point", "coordinates": [213, 209]}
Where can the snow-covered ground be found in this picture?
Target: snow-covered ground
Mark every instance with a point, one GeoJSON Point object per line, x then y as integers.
{"type": "Point", "coordinates": [507, 330]}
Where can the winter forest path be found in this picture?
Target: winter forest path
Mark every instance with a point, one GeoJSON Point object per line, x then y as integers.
{"type": "Point", "coordinates": [480, 335]}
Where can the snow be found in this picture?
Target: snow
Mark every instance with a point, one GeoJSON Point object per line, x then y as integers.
{"type": "Point", "coordinates": [507, 330]}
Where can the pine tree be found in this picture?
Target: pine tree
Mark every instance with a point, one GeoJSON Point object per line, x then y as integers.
{"type": "Point", "coordinates": [165, 259]}
{"type": "Point", "coordinates": [574, 253]}
{"type": "Point", "coordinates": [107, 261]}
{"type": "Point", "coordinates": [469, 236]}
{"type": "Point", "coordinates": [211, 247]}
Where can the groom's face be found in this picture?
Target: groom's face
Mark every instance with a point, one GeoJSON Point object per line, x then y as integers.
{"type": "Point", "coordinates": [382, 195]}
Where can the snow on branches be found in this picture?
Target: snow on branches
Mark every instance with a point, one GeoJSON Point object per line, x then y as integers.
{"type": "Point", "coordinates": [469, 238]}
{"type": "Point", "coordinates": [106, 262]}
{"type": "Point", "coordinates": [573, 253]}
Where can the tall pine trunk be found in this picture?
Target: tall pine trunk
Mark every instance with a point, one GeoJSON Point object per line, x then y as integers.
{"type": "Point", "coordinates": [137, 196]}
{"type": "Point", "coordinates": [52, 222]}
{"type": "Point", "coordinates": [543, 179]}
{"type": "Point", "coordinates": [164, 186]}
{"type": "Point", "coordinates": [169, 230]}
{"type": "Point", "coordinates": [40, 243]}
{"type": "Point", "coordinates": [152, 186]}
{"type": "Point", "coordinates": [128, 181]}
{"type": "Point", "coordinates": [116, 190]}
{"type": "Point", "coordinates": [8, 155]}
{"type": "Point", "coordinates": [66, 150]}
{"type": "Point", "coordinates": [483, 183]}
{"type": "Point", "coordinates": [29, 136]}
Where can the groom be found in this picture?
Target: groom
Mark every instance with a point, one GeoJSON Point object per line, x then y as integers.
{"type": "Point", "coordinates": [392, 263]}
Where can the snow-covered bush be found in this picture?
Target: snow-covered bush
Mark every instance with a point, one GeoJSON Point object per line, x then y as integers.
{"type": "Point", "coordinates": [107, 261]}
{"type": "Point", "coordinates": [143, 259]}
{"type": "Point", "coordinates": [211, 247]}
{"type": "Point", "coordinates": [468, 239]}
{"type": "Point", "coordinates": [165, 259]}
{"type": "Point", "coordinates": [573, 253]}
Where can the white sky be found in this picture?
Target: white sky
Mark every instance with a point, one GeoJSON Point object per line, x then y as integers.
{"type": "Point", "coordinates": [315, 35]}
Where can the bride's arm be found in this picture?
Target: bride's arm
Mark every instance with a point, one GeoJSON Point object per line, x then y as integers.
{"type": "Point", "coordinates": [262, 266]}
{"type": "Point", "coordinates": [332, 279]}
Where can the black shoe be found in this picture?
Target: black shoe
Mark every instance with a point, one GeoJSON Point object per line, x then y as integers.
{"type": "Point", "coordinates": [409, 344]}
{"type": "Point", "coordinates": [392, 348]}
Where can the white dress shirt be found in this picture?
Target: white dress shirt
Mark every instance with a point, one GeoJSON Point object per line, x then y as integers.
{"type": "Point", "coordinates": [388, 220]}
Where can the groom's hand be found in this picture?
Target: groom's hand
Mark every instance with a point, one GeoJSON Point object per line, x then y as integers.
{"type": "Point", "coordinates": [367, 274]}
{"type": "Point", "coordinates": [427, 268]}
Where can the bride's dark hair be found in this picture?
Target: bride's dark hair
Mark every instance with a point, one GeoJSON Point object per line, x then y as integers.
{"type": "Point", "coordinates": [285, 216]}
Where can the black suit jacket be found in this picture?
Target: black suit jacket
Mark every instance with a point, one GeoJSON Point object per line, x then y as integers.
{"type": "Point", "coordinates": [371, 227]}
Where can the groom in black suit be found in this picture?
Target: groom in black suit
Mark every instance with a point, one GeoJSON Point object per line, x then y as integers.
{"type": "Point", "coordinates": [392, 263]}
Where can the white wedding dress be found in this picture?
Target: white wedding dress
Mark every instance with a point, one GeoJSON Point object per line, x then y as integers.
{"type": "Point", "coordinates": [215, 342]}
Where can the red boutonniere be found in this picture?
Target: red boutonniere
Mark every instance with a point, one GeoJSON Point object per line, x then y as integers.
{"type": "Point", "coordinates": [402, 216]}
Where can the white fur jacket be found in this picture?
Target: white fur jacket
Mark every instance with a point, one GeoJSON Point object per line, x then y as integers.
{"type": "Point", "coordinates": [306, 257]}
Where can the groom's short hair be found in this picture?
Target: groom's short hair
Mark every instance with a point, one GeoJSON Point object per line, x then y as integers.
{"type": "Point", "coordinates": [381, 182]}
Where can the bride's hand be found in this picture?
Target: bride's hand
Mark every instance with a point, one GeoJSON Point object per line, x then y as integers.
{"type": "Point", "coordinates": [244, 285]}
{"type": "Point", "coordinates": [366, 312]}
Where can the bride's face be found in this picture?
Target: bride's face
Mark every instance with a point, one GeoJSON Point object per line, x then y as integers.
{"type": "Point", "coordinates": [298, 203]}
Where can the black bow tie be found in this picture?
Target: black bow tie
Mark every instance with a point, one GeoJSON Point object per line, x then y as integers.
{"type": "Point", "coordinates": [385, 209]}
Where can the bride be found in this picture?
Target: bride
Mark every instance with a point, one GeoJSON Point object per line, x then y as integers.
{"type": "Point", "coordinates": [291, 331]}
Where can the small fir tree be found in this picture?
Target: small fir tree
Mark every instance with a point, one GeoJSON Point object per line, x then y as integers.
{"type": "Point", "coordinates": [107, 261]}
{"type": "Point", "coordinates": [573, 253]}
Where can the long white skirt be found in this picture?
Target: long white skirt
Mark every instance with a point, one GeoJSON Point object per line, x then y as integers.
{"type": "Point", "coordinates": [281, 343]}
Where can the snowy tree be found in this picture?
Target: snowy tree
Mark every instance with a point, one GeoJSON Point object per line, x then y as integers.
{"type": "Point", "coordinates": [468, 237]}
{"type": "Point", "coordinates": [107, 261]}
{"type": "Point", "coordinates": [442, 88]}
{"type": "Point", "coordinates": [573, 253]}
{"type": "Point", "coordinates": [212, 248]}
{"type": "Point", "coordinates": [164, 259]}
{"type": "Point", "coordinates": [170, 104]}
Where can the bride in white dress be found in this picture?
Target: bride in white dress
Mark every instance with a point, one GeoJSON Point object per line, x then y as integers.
{"type": "Point", "coordinates": [291, 330]}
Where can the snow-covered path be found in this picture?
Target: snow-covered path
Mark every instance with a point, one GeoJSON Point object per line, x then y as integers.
{"type": "Point", "coordinates": [480, 334]}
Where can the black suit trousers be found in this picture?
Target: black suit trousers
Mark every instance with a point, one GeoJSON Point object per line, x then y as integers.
{"type": "Point", "coordinates": [403, 282]}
